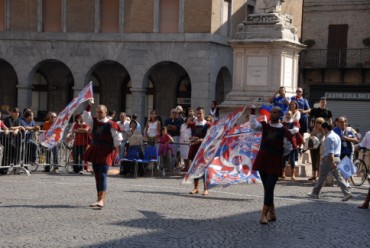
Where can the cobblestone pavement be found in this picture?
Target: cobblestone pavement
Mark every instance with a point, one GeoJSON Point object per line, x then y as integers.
{"type": "Point", "coordinates": [51, 210]}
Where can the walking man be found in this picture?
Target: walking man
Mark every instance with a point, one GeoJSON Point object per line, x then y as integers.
{"type": "Point", "coordinates": [329, 162]}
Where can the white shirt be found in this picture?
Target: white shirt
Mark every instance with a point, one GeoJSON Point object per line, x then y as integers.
{"type": "Point", "coordinates": [365, 142]}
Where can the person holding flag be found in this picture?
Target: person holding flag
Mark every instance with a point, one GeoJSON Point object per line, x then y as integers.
{"type": "Point", "coordinates": [106, 137]}
{"type": "Point", "coordinates": [198, 132]}
{"type": "Point", "coordinates": [275, 139]}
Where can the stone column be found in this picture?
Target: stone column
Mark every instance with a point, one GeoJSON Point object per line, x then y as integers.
{"type": "Point", "coordinates": [138, 103]}
{"type": "Point", "coordinates": [24, 91]}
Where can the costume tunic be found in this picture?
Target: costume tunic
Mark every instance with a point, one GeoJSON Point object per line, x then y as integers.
{"type": "Point", "coordinates": [102, 149]}
{"type": "Point", "coordinates": [198, 129]}
{"type": "Point", "coordinates": [269, 157]}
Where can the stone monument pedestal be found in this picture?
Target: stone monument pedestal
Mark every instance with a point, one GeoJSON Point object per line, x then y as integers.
{"type": "Point", "coordinates": [266, 53]}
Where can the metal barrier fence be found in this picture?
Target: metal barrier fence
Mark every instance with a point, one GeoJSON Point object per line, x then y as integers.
{"type": "Point", "coordinates": [21, 152]}
{"type": "Point", "coordinates": [12, 152]}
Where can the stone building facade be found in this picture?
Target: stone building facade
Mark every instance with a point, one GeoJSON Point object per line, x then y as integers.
{"type": "Point", "coordinates": [140, 54]}
{"type": "Point", "coordinates": [336, 63]}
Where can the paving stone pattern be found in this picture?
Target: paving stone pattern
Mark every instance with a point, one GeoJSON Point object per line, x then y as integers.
{"type": "Point", "coordinates": [51, 210]}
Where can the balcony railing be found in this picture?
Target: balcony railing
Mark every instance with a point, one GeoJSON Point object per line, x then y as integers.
{"type": "Point", "coordinates": [335, 58]}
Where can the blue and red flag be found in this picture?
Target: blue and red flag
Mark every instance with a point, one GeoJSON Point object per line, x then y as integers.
{"type": "Point", "coordinates": [235, 156]}
{"type": "Point", "coordinates": [210, 145]}
{"type": "Point", "coordinates": [265, 110]}
{"type": "Point", "coordinates": [53, 136]}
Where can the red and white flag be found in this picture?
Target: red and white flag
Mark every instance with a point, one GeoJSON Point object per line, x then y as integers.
{"type": "Point", "coordinates": [53, 136]}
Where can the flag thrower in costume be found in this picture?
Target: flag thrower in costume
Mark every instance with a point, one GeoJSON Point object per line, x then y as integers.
{"type": "Point", "coordinates": [210, 145]}
{"type": "Point", "coordinates": [53, 136]}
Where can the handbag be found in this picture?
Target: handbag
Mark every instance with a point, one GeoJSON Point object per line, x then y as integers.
{"type": "Point", "coordinates": [311, 142]}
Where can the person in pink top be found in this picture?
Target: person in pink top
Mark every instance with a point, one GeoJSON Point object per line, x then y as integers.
{"type": "Point", "coordinates": [165, 148]}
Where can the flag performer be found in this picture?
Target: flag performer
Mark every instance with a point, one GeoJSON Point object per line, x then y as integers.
{"type": "Point", "coordinates": [276, 139]}
{"type": "Point", "coordinates": [106, 137]}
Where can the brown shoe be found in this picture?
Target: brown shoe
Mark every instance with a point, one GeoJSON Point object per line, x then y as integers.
{"type": "Point", "coordinates": [272, 215]}
{"type": "Point", "coordinates": [264, 212]}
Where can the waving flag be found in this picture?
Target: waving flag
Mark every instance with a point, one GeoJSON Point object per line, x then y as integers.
{"type": "Point", "coordinates": [210, 145]}
{"type": "Point", "coordinates": [265, 110]}
{"type": "Point", "coordinates": [235, 156]}
{"type": "Point", "coordinates": [55, 133]}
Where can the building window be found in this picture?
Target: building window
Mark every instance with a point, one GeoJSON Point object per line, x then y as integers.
{"type": "Point", "coordinates": [225, 18]}
{"type": "Point", "coordinates": [169, 16]}
{"type": "Point", "coordinates": [39, 96]}
{"type": "Point", "coordinates": [52, 15]}
{"type": "Point", "coordinates": [2, 15]}
{"type": "Point", "coordinates": [250, 9]}
{"type": "Point", "coordinates": [109, 16]}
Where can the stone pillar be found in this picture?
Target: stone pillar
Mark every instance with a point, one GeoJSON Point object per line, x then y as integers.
{"type": "Point", "coordinates": [24, 90]}
{"type": "Point", "coordinates": [266, 52]}
{"type": "Point", "coordinates": [79, 82]}
{"type": "Point", "coordinates": [138, 103]}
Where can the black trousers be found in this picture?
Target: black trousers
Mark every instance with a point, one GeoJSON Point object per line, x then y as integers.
{"type": "Point", "coordinates": [269, 182]}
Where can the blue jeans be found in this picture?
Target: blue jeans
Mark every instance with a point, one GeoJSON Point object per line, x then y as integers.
{"type": "Point", "coordinates": [100, 172]}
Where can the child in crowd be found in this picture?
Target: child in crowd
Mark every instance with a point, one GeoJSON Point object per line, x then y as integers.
{"type": "Point", "coordinates": [165, 148]}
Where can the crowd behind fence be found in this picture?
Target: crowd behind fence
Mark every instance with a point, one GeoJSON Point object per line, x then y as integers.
{"type": "Point", "coordinates": [22, 152]}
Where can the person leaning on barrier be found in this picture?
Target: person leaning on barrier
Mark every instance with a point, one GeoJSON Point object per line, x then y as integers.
{"type": "Point", "coordinates": [55, 150]}
{"type": "Point", "coordinates": [31, 129]}
{"type": "Point", "coordinates": [80, 143]}
{"type": "Point", "coordinates": [12, 122]}
{"type": "Point", "coordinates": [3, 126]}
{"type": "Point", "coordinates": [4, 131]}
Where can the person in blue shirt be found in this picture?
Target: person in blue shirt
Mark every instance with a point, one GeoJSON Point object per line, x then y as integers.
{"type": "Point", "coordinates": [329, 162]}
{"type": "Point", "coordinates": [280, 100]}
{"type": "Point", "coordinates": [304, 108]}
{"type": "Point", "coordinates": [31, 136]}
{"type": "Point", "coordinates": [347, 137]}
